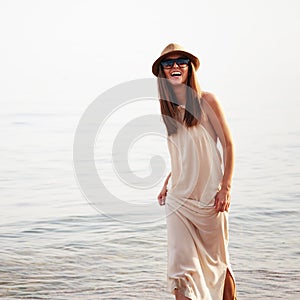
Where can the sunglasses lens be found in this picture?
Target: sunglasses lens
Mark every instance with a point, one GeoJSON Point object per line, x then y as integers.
{"type": "Point", "coordinates": [168, 63]}
{"type": "Point", "coordinates": [181, 62]}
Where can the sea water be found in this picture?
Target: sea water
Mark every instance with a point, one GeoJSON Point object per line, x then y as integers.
{"type": "Point", "coordinates": [55, 244]}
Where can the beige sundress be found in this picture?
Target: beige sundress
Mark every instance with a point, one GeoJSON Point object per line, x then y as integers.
{"type": "Point", "coordinates": [197, 235]}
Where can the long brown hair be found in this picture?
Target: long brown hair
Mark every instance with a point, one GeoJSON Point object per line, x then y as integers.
{"type": "Point", "coordinates": [169, 103]}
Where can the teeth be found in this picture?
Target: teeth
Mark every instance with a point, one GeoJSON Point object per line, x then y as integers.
{"type": "Point", "coordinates": [176, 74]}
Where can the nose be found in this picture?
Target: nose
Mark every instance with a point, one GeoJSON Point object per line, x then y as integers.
{"type": "Point", "coordinates": [175, 65]}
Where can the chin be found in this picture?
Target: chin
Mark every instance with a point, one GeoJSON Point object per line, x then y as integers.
{"type": "Point", "coordinates": [176, 82]}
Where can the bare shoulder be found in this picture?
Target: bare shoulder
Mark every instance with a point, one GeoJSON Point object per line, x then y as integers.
{"type": "Point", "coordinates": [210, 98]}
{"type": "Point", "coordinates": [210, 101]}
{"type": "Point", "coordinates": [213, 110]}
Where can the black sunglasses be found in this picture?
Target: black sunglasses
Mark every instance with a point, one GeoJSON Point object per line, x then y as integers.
{"type": "Point", "coordinates": [181, 62]}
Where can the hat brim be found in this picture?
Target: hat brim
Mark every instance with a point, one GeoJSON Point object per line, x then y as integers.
{"type": "Point", "coordinates": [194, 60]}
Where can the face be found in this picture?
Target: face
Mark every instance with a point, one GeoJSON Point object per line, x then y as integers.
{"type": "Point", "coordinates": [177, 73]}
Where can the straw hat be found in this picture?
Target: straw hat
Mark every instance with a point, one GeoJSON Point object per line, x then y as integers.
{"type": "Point", "coordinates": [174, 49]}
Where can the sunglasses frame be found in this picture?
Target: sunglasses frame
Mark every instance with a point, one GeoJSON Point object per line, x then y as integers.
{"type": "Point", "coordinates": [181, 62]}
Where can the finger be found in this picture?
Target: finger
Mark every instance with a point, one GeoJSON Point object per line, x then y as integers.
{"type": "Point", "coordinates": [227, 206]}
{"type": "Point", "coordinates": [217, 205]}
{"type": "Point", "coordinates": [221, 206]}
{"type": "Point", "coordinates": [162, 200]}
{"type": "Point", "coordinates": [160, 196]}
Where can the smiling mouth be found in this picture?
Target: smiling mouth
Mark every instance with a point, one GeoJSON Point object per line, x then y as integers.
{"type": "Point", "coordinates": [175, 74]}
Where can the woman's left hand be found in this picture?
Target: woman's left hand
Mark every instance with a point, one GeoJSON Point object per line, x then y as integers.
{"type": "Point", "coordinates": [222, 201]}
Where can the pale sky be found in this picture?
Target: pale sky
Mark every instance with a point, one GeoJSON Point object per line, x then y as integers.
{"type": "Point", "coordinates": [57, 54]}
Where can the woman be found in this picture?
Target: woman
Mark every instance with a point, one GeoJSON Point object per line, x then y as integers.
{"type": "Point", "coordinates": [198, 198]}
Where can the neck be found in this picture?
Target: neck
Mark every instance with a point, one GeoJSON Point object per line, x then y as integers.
{"type": "Point", "coordinates": [180, 92]}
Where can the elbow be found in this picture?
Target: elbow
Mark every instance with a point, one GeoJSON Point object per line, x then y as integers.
{"type": "Point", "coordinates": [228, 146]}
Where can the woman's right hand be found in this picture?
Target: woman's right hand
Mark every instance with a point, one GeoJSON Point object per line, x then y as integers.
{"type": "Point", "coordinates": [162, 195]}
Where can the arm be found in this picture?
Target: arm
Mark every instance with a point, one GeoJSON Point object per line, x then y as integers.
{"type": "Point", "coordinates": [163, 193]}
{"type": "Point", "coordinates": [217, 118]}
